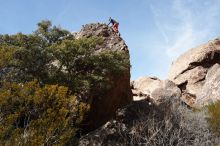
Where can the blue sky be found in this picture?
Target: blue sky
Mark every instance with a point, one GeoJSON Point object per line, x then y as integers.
{"type": "Point", "coordinates": [156, 31]}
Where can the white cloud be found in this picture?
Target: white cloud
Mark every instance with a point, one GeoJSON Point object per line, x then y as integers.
{"type": "Point", "coordinates": [189, 24]}
{"type": "Point", "coordinates": [185, 40]}
{"type": "Point", "coordinates": [157, 22]}
{"type": "Point", "coordinates": [64, 11]}
{"type": "Point", "coordinates": [185, 34]}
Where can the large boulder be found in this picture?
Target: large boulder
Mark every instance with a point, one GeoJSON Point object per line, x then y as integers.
{"type": "Point", "coordinates": [189, 71]}
{"type": "Point", "coordinates": [155, 89]}
{"type": "Point", "coordinates": [112, 41]}
{"type": "Point", "coordinates": [105, 103]}
{"type": "Point", "coordinates": [210, 91]}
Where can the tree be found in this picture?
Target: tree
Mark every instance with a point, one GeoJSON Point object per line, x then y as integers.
{"type": "Point", "coordinates": [35, 115]}
{"type": "Point", "coordinates": [43, 78]}
{"type": "Point", "coordinates": [51, 34]}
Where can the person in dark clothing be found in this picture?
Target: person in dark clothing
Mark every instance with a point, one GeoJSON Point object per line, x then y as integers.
{"type": "Point", "coordinates": [114, 23]}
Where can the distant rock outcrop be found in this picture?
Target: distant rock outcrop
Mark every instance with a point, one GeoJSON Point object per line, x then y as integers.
{"type": "Point", "coordinates": [154, 89]}
{"type": "Point", "coordinates": [196, 73]}
{"type": "Point", "coordinates": [103, 106]}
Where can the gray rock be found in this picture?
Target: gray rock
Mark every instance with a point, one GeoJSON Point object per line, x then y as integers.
{"type": "Point", "coordinates": [210, 92]}
{"type": "Point", "coordinates": [112, 41]}
{"type": "Point", "coordinates": [155, 88]}
{"type": "Point", "coordinates": [189, 71]}
{"type": "Point", "coordinates": [205, 55]}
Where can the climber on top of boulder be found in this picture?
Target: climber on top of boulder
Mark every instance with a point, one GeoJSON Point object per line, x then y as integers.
{"type": "Point", "coordinates": [115, 24]}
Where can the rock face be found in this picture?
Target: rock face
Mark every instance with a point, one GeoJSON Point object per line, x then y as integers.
{"type": "Point", "coordinates": [103, 106]}
{"type": "Point", "coordinates": [155, 89]}
{"type": "Point", "coordinates": [195, 72]}
{"type": "Point", "coordinates": [210, 92]}
{"type": "Point", "coordinates": [111, 39]}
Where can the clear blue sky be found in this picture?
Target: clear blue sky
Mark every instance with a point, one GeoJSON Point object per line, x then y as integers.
{"type": "Point", "coordinates": [156, 31]}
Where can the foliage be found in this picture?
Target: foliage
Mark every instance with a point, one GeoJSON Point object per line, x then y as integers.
{"type": "Point", "coordinates": [80, 67]}
{"type": "Point", "coordinates": [34, 115]}
{"type": "Point", "coordinates": [52, 56]}
{"type": "Point", "coordinates": [51, 34]}
{"type": "Point", "coordinates": [6, 54]}
{"type": "Point", "coordinates": [43, 77]}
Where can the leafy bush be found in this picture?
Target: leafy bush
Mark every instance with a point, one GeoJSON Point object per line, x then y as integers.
{"type": "Point", "coordinates": [34, 115]}
{"type": "Point", "coordinates": [79, 66]}
{"type": "Point", "coordinates": [43, 77]}
{"type": "Point", "coordinates": [6, 54]}
{"type": "Point", "coordinates": [52, 56]}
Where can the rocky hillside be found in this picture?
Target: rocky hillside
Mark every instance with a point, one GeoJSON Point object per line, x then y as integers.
{"type": "Point", "coordinates": [193, 79]}
{"type": "Point", "coordinates": [59, 88]}
{"type": "Point", "coordinates": [196, 73]}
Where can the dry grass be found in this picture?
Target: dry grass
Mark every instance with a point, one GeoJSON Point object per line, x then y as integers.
{"type": "Point", "coordinates": [169, 124]}
{"type": "Point", "coordinates": [176, 126]}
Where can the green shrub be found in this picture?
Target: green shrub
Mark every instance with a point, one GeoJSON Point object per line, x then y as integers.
{"type": "Point", "coordinates": [52, 56]}
{"type": "Point", "coordinates": [34, 115]}
{"type": "Point", "coordinates": [79, 66]}
{"type": "Point", "coordinates": [6, 54]}
{"type": "Point", "coordinates": [41, 74]}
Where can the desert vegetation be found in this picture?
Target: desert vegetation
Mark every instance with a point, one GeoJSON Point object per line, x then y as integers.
{"type": "Point", "coordinates": [176, 125]}
{"type": "Point", "coordinates": [47, 79]}
{"type": "Point", "coordinates": [171, 123]}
